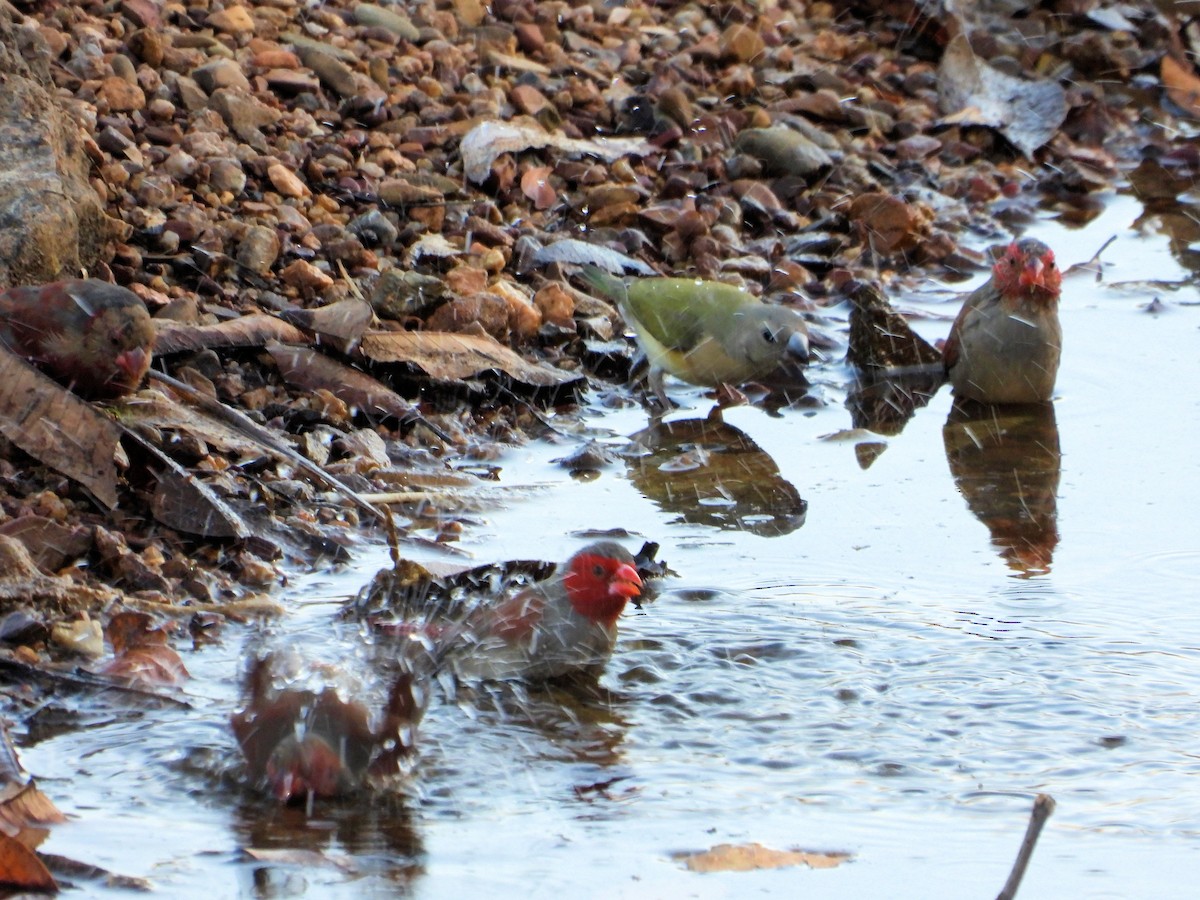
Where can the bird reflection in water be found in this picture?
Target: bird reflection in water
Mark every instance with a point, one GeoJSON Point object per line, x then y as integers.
{"type": "Point", "coordinates": [1006, 462]}
{"type": "Point", "coordinates": [711, 473]}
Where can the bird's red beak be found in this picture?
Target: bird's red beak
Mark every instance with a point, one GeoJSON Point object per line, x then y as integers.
{"type": "Point", "coordinates": [1034, 274]}
{"type": "Point", "coordinates": [133, 363]}
{"type": "Point", "coordinates": [626, 582]}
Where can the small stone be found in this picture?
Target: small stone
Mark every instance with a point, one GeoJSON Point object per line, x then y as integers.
{"type": "Point", "coordinates": [142, 13]}
{"type": "Point", "coordinates": [741, 43]}
{"type": "Point", "coordinates": [287, 182]}
{"type": "Point", "coordinates": [374, 229]}
{"type": "Point", "coordinates": [783, 151]}
{"type": "Point", "coordinates": [918, 146]}
{"type": "Point", "coordinates": [556, 305]}
{"type": "Point", "coordinates": [180, 165]}
{"type": "Point", "coordinates": [334, 73]}
{"type": "Point", "coordinates": [528, 99]}
{"type": "Point", "coordinates": [161, 109]}
{"type": "Point", "coordinates": [305, 276]}
{"type": "Point", "coordinates": [275, 58]}
{"type": "Point", "coordinates": [480, 314]}
{"type": "Point", "coordinates": [400, 293]}
{"type": "Point", "coordinates": [84, 637]}
{"type": "Point", "coordinates": [121, 96]}
{"type": "Point", "coordinates": [231, 20]}
{"type": "Point", "coordinates": [245, 115]}
{"type": "Point", "coordinates": [289, 81]}
{"type": "Point", "coordinates": [466, 280]}
{"type": "Point", "coordinates": [470, 12]}
{"type": "Point", "coordinates": [221, 73]}
{"type": "Point", "coordinates": [397, 23]}
{"type": "Point", "coordinates": [226, 175]}
{"type": "Point", "coordinates": [258, 249]}
{"type": "Point", "coordinates": [529, 37]}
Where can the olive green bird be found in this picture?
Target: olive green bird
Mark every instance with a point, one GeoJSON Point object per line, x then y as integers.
{"type": "Point", "coordinates": [704, 332]}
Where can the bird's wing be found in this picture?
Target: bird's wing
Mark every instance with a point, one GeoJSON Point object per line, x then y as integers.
{"type": "Point", "coordinates": [675, 326]}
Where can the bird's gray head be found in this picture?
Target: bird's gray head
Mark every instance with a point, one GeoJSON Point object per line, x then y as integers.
{"type": "Point", "coordinates": [768, 336]}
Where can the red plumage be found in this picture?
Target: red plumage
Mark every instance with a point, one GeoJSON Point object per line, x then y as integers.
{"type": "Point", "coordinates": [93, 337]}
{"type": "Point", "coordinates": [1005, 344]}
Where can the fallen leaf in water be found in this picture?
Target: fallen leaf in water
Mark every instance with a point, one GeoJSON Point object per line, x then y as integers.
{"type": "Point", "coordinates": [972, 92]}
{"type": "Point", "coordinates": [452, 357]}
{"type": "Point", "coordinates": [752, 857]}
{"type": "Point", "coordinates": [1183, 87]}
{"type": "Point", "coordinates": [24, 809]}
{"type": "Point", "coordinates": [143, 652]}
{"type": "Point", "coordinates": [20, 868]}
{"type": "Point", "coordinates": [57, 428]}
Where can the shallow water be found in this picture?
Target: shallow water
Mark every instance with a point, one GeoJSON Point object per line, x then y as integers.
{"type": "Point", "coordinates": [884, 675]}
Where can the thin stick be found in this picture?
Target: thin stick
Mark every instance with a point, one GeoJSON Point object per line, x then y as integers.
{"type": "Point", "coordinates": [256, 432]}
{"type": "Point", "coordinates": [1043, 806]}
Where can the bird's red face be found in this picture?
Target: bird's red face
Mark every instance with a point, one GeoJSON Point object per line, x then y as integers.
{"type": "Point", "coordinates": [1027, 271]}
{"type": "Point", "coordinates": [298, 768]}
{"type": "Point", "coordinates": [600, 580]}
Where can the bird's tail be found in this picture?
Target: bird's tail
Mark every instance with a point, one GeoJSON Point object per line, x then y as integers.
{"type": "Point", "coordinates": [605, 283]}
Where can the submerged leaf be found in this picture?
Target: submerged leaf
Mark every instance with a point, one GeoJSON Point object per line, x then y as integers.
{"type": "Point", "coordinates": [752, 857]}
{"type": "Point", "coordinates": [20, 868]}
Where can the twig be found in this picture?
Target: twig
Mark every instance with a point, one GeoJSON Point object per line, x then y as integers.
{"type": "Point", "coordinates": [1094, 262]}
{"type": "Point", "coordinates": [1043, 806]}
{"type": "Point", "coordinates": [256, 432]}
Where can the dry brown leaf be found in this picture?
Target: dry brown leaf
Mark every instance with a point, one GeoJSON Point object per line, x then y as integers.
{"type": "Point", "coordinates": [1183, 87]}
{"type": "Point", "coordinates": [344, 321]}
{"type": "Point", "coordinates": [482, 144]}
{"type": "Point", "coordinates": [971, 91]}
{"type": "Point", "coordinates": [185, 503]}
{"type": "Point", "coordinates": [247, 331]}
{"type": "Point", "coordinates": [21, 868]}
{"type": "Point", "coordinates": [752, 857]}
{"type": "Point", "coordinates": [57, 428]}
{"type": "Point", "coordinates": [451, 357]}
{"type": "Point", "coordinates": [154, 411]}
{"type": "Point", "coordinates": [309, 370]}
{"type": "Point", "coordinates": [888, 223]}
{"type": "Point", "coordinates": [50, 544]}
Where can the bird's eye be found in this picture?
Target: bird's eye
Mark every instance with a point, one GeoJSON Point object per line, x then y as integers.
{"type": "Point", "coordinates": [598, 570]}
{"type": "Point", "coordinates": [768, 335]}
